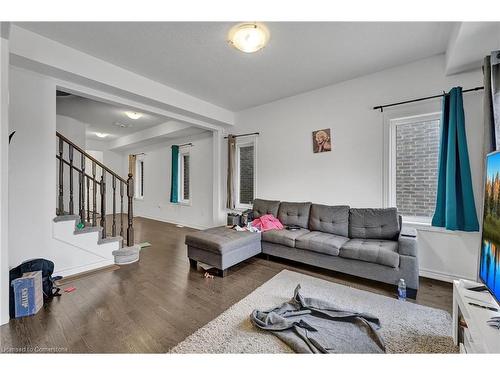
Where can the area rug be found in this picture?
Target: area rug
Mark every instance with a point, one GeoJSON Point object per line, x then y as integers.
{"type": "Point", "coordinates": [406, 326]}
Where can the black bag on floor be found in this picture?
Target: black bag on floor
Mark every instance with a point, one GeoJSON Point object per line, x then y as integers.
{"type": "Point", "coordinates": [47, 268]}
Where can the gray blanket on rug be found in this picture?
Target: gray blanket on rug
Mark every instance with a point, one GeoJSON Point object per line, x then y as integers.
{"type": "Point", "coordinates": [310, 325]}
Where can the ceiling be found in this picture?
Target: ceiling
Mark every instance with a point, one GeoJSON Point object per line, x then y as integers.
{"type": "Point", "coordinates": [102, 117]}
{"type": "Point", "coordinates": [194, 57]}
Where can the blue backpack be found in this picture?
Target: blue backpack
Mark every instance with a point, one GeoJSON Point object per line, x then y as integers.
{"type": "Point", "coordinates": [47, 268]}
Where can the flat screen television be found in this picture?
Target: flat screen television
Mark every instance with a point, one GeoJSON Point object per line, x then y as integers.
{"type": "Point", "coordinates": [489, 262]}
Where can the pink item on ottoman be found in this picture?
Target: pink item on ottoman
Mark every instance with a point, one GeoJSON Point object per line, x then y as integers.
{"type": "Point", "coordinates": [267, 222]}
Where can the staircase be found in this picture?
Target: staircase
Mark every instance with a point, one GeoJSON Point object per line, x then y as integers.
{"type": "Point", "coordinates": [82, 219]}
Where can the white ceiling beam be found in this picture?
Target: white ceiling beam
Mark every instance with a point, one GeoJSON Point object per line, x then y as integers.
{"type": "Point", "coordinates": [70, 64]}
{"type": "Point", "coordinates": [155, 133]}
{"type": "Point", "coordinates": [118, 100]}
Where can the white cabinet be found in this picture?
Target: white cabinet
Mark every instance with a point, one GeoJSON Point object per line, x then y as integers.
{"type": "Point", "coordinates": [470, 330]}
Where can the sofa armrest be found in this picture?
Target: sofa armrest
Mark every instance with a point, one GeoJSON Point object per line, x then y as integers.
{"type": "Point", "coordinates": [407, 242]}
{"type": "Point", "coordinates": [408, 232]}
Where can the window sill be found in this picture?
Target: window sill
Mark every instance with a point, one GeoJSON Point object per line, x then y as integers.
{"type": "Point", "coordinates": [242, 208]}
{"type": "Point", "coordinates": [427, 227]}
{"type": "Point", "coordinates": [186, 204]}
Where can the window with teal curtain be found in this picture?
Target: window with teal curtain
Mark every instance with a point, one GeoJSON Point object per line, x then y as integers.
{"type": "Point", "coordinates": [455, 207]}
{"type": "Point", "coordinates": [174, 187]}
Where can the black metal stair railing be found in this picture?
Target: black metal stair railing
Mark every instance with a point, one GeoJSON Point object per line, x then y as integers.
{"type": "Point", "coordinates": [88, 186]}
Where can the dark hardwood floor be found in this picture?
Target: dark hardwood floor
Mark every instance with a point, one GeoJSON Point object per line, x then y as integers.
{"type": "Point", "coordinates": [152, 305]}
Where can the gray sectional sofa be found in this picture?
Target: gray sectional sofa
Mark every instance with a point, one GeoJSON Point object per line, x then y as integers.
{"type": "Point", "coordinates": [363, 242]}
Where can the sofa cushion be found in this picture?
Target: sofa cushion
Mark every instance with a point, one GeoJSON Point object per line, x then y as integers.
{"type": "Point", "coordinates": [284, 236]}
{"type": "Point", "coordinates": [374, 251]}
{"type": "Point", "coordinates": [294, 213]}
{"type": "Point", "coordinates": [319, 242]}
{"type": "Point", "coordinates": [374, 223]}
{"type": "Point", "coordinates": [263, 207]}
{"type": "Point", "coordinates": [221, 240]}
{"type": "Point", "coordinates": [329, 219]}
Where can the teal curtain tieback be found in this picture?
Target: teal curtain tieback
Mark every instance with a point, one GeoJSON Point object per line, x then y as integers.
{"type": "Point", "coordinates": [455, 207]}
{"type": "Point", "coordinates": [174, 188]}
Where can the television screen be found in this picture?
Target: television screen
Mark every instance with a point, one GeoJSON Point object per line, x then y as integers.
{"type": "Point", "coordinates": [489, 263]}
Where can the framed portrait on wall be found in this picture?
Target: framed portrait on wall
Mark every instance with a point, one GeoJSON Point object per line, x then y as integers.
{"type": "Point", "coordinates": [322, 141]}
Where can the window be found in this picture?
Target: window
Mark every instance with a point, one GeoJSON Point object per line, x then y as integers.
{"type": "Point", "coordinates": [139, 177]}
{"type": "Point", "coordinates": [414, 152]}
{"type": "Point", "coordinates": [245, 172]}
{"type": "Point", "coordinates": [184, 180]}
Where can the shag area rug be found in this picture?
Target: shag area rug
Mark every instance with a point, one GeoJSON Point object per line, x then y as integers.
{"type": "Point", "coordinates": [406, 327]}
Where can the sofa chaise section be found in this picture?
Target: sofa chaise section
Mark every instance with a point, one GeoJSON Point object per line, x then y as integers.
{"type": "Point", "coordinates": [222, 247]}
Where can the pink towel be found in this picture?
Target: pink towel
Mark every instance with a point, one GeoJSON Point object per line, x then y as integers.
{"type": "Point", "coordinates": [267, 222]}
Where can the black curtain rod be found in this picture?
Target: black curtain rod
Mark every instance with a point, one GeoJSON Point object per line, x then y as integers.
{"type": "Point", "coordinates": [381, 107]}
{"type": "Point", "coordinates": [244, 135]}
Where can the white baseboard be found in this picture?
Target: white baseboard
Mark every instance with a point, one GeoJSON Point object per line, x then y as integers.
{"type": "Point", "coordinates": [436, 275]}
{"type": "Point", "coordinates": [190, 225]}
{"type": "Point", "coordinates": [80, 269]}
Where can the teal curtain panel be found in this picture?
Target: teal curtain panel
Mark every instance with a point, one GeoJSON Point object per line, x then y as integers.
{"type": "Point", "coordinates": [455, 207]}
{"type": "Point", "coordinates": [174, 188]}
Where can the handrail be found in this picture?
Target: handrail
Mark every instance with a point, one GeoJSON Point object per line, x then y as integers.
{"type": "Point", "coordinates": [78, 170]}
{"type": "Point", "coordinates": [79, 149]}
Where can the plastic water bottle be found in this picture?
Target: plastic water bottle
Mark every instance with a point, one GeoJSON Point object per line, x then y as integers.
{"type": "Point", "coordinates": [402, 290]}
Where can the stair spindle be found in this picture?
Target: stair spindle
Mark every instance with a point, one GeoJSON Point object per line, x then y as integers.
{"type": "Point", "coordinates": [113, 227]}
{"type": "Point", "coordinates": [94, 195]}
{"type": "Point", "coordinates": [103, 203]}
{"type": "Point", "coordinates": [130, 214]}
{"type": "Point", "coordinates": [121, 209]}
{"type": "Point", "coordinates": [71, 202]}
{"type": "Point", "coordinates": [81, 186]}
{"type": "Point", "coordinates": [88, 199]}
{"type": "Point", "coordinates": [61, 178]}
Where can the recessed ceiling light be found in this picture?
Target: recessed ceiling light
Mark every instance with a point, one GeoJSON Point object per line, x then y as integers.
{"type": "Point", "coordinates": [133, 115]}
{"type": "Point", "coordinates": [101, 135]}
{"type": "Point", "coordinates": [248, 37]}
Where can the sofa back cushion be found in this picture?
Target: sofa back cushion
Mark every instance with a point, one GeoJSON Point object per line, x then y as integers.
{"type": "Point", "coordinates": [374, 223]}
{"type": "Point", "coordinates": [265, 207]}
{"type": "Point", "coordinates": [294, 213]}
{"type": "Point", "coordinates": [329, 219]}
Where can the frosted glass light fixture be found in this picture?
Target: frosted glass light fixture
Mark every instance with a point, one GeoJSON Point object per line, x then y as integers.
{"type": "Point", "coordinates": [101, 135]}
{"type": "Point", "coordinates": [133, 115]}
{"type": "Point", "coordinates": [248, 37]}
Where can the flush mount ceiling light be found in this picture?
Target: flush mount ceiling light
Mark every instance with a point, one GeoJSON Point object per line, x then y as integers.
{"type": "Point", "coordinates": [101, 135]}
{"type": "Point", "coordinates": [248, 37]}
{"type": "Point", "coordinates": [133, 115]}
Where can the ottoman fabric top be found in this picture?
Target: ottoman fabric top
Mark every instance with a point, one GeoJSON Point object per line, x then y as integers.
{"type": "Point", "coordinates": [221, 240]}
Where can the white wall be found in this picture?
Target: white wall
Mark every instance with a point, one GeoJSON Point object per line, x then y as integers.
{"type": "Point", "coordinates": [72, 129]}
{"type": "Point", "coordinates": [157, 168]}
{"type": "Point", "coordinates": [32, 165]}
{"type": "Point", "coordinates": [353, 172]}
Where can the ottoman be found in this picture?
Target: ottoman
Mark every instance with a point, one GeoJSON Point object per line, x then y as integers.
{"type": "Point", "coordinates": [222, 247]}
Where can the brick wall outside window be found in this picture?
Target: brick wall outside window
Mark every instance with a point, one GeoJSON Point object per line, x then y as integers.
{"type": "Point", "coordinates": [185, 174]}
{"type": "Point", "coordinates": [417, 148]}
{"type": "Point", "coordinates": [246, 174]}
